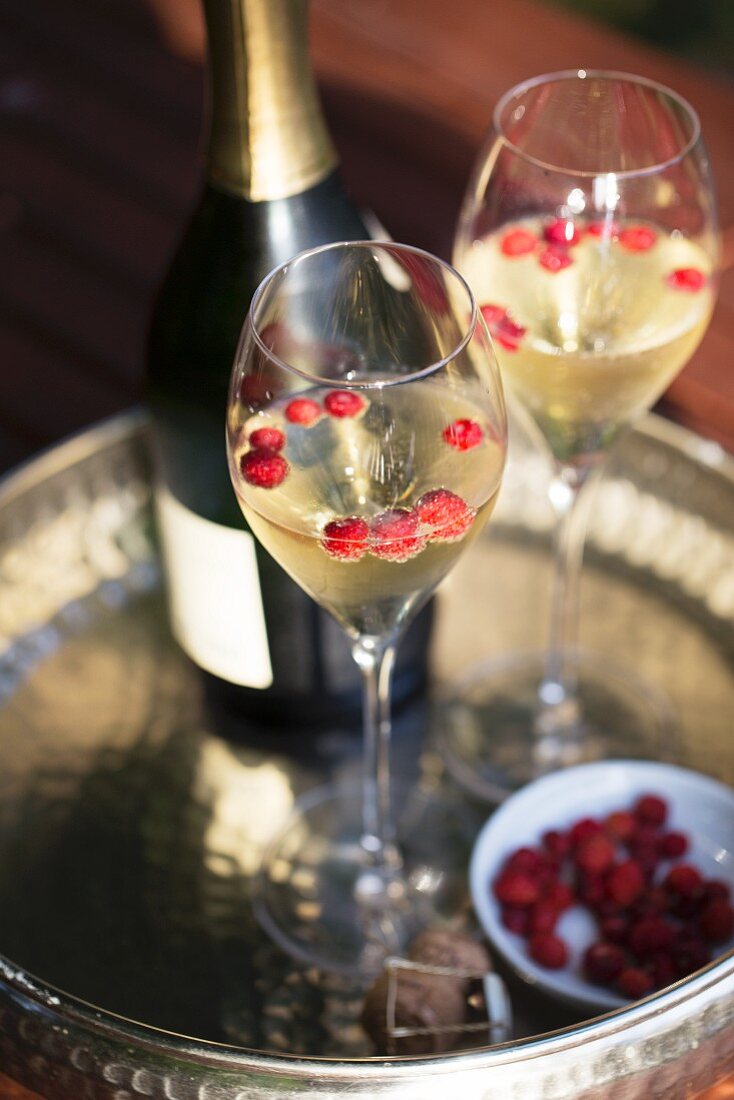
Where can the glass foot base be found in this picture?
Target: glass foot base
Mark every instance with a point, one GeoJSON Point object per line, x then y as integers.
{"type": "Point", "coordinates": [321, 900]}
{"type": "Point", "coordinates": [496, 737]}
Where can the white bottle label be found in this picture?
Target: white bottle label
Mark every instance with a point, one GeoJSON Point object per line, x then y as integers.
{"type": "Point", "coordinates": [214, 592]}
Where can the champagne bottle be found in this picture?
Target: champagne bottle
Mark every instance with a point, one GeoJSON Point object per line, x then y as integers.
{"type": "Point", "coordinates": [272, 189]}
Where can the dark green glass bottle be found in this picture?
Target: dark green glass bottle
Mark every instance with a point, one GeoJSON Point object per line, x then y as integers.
{"type": "Point", "coordinates": [272, 190]}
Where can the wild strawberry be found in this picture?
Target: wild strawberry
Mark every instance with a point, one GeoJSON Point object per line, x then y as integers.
{"type": "Point", "coordinates": [345, 539]}
{"type": "Point", "coordinates": [524, 859]}
{"type": "Point", "coordinates": [516, 919]}
{"type": "Point", "coordinates": [715, 889]}
{"type": "Point", "coordinates": [645, 836]}
{"type": "Point", "coordinates": [553, 865]}
{"type": "Point", "coordinates": [625, 882]}
{"type": "Point", "coordinates": [689, 953]}
{"type": "Point", "coordinates": [620, 825]}
{"type": "Point", "coordinates": [344, 403]}
{"type": "Point", "coordinates": [686, 278]}
{"type": "Point", "coordinates": [637, 238]}
{"type": "Point", "coordinates": [649, 935]}
{"type": "Point", "coordinates": [554, 258]}
{"type": "Point", "coordinates": [543, 917]}
{"type": "Point", "coordinates": [516, 888]}
{"type": "Point", "coordinates": [605, 907]}
{"type": "Point", "coordinates": [651, 809]}
{"type": "Point", "coordinates": [394, 535]}
{"type": "Point", "coordinates": [644, 848]}
{"type": "Point", "coordinates": [634, 982]}
{"type": "Point", "coordinates": [518, 242]}
{"type": "Point", "coordinates": [264, 469]}
{"type": "Point", "coordinates": [556, 842]}
{"type": "Point", "coordinates": [672, 845]}
{"type": "Point", "coordinates": [560, 896]}
{"type": "Point", "coordinates": [267, 439]}
{"type": "Point", "coordinates": [717, 921]}
{"type": "Point", "coordinates": [614, 929]}
{"type": "Point", "coordinates": [594, 855]}
{"type": "Point", "coordinates": [655, 900]}
{"type": "Point", "coordinates": [603, 962]}
{"type": "Point", "coordinates": [549, 950]}
{"type": "Point", "coordinates": [686, 908]}
{"type": "Point", "coordinates": [684, 880]}
{"type": "Point", "coordinates": [445, 512]}
{"type": "Point", "coordinates": [562, 231]}
{"type": "Point", "coordinates": [503, 329]}
{"type": "Point", "coordinates": [463, 434]}
{"type": "Point", "coordinates": [303, 411]}
{"type": "Point", "coordinates": [591, 890]}
{"type": "Point", "coordinates": [582, 829]}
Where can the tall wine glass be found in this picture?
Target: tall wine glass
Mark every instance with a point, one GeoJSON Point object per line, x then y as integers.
{"type": "Point", "coordinates": [588, 235]}
{"type": "Point", "coordinates": [366, 436]}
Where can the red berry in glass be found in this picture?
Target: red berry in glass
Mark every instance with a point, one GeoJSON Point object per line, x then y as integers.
{"type": "Point", "coordinates": [463, 434]}
{"type": "Point", "coordinates": [448, 516]}
{"type": "Point", "coordinates": [395, 535]}
{"type": "Point", "coordinates": [263, 469]}
{"type": "Point", "coordinates": [267, 439]}
{"type": "Point", "coordinates": [341, 403]}
{"type": "Point", "coordinates": [346, 539]}
{"type": "Point", "coordinates": [303, 411]}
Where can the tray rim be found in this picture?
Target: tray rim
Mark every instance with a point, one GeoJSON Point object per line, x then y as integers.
{"type": "Point", "coordinates": [223, 1056]}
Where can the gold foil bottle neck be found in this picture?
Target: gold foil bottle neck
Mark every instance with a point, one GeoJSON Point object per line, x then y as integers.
{"type": "Point", "coordinates": [267, 135]}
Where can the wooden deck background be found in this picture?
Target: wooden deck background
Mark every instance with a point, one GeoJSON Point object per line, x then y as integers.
{"type": "Point", "coordinates": [100, 113]}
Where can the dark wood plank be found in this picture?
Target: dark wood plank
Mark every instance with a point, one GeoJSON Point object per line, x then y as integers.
{"type": "Point", "coordinates": [55, 300]}
{"type": "Point", "coordinates": [129, 68]}
{"type": "Point", "coordinates": [64, 109]}
{"type": "Point", "coordinates": [48, 394]}
{"type": "Point", "coordinates": [107, 232]}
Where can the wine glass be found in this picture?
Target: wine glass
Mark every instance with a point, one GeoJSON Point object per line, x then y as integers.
{"type": "Point", "coordinates": [588, 235]}
{"type": "Point", "coordinates": [366, 436]}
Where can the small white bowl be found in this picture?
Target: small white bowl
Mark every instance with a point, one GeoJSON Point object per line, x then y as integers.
{"type": "Point", "coordinates": [700, 807]}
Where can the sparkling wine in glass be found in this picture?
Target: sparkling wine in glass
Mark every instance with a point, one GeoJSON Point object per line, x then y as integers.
{"type": "Point", "coordinates": [366, 438]}
{"type": "Point", "coordinates": [589, 237]}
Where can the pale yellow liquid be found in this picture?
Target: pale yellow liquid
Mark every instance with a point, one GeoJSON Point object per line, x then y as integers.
{"type": "Point", "coordinates": [605, 336]}
{"type": "Point", "coordinates": [386, 459]}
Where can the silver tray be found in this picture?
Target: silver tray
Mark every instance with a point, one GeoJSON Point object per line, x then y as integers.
{"type": "Point", "coordinates": [131, 811]}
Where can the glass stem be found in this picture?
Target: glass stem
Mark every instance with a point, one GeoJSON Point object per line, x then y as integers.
{"type": "Point", "coordinates": [558, 718]}
{"type": "Point", "coordinates": [376, 659]}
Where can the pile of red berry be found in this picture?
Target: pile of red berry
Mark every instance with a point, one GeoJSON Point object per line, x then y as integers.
{"type": "Point", "coordinates": [658, 918]}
